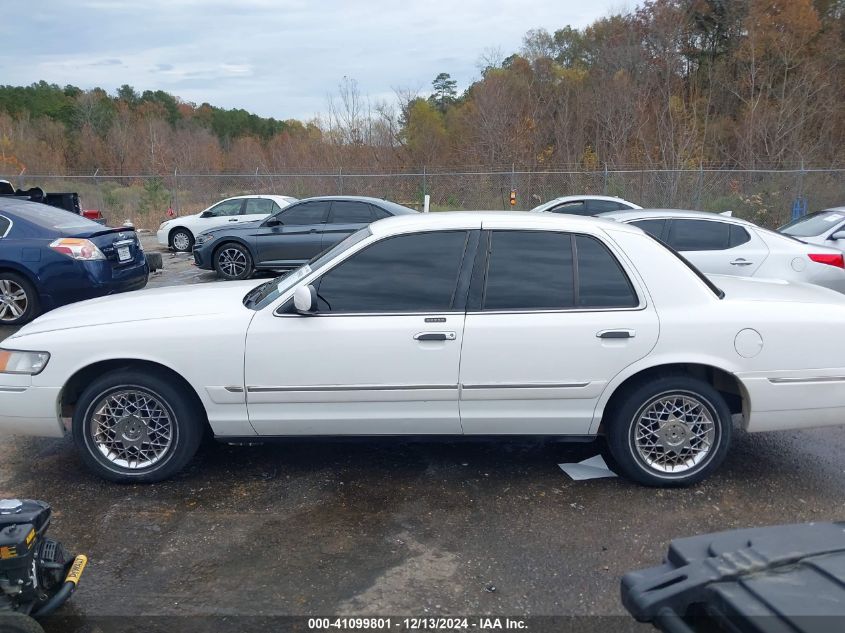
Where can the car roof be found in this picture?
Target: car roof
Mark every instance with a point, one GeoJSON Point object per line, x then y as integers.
{"type": "Point", "coordinates": [395, 207]}
{"type": "Point", "coordinates": [645, 214]}
{"type": "Point", "coordinates": [258, 195]}
{"type": "Point", "coordinates": [495, 219]}
{"type": "Point", "coordinates": [562, 199]}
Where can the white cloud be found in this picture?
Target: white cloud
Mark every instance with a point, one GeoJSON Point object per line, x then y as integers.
{"type": "Point", "coordinates": [275, 57]}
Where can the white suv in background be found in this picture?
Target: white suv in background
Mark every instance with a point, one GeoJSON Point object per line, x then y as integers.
{"type": "Point", "coordinates": [723, 245]}
{"type": "Point", "coordinates": [180, 233]}
{"type": "Point", "coordinates": [584, 205]}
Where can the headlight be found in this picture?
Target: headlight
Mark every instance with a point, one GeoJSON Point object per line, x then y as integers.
{"type": "Point", "coordinates": [204, 239]}
{"type": "Point", "coordinates": [77, 248]}
{"type": "Point", "coordinates": [14, 362]}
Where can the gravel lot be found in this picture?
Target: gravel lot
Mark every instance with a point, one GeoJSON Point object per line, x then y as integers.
{"type": "Point", "coordinates": [387, 528]}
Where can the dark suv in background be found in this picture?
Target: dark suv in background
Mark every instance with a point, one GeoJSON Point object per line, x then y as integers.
{"type": "Point", "coordinates": [289, 238]}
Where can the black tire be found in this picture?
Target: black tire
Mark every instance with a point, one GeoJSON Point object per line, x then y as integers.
{"type": "Point", "coordinates": [181, 240]}
{"type": "Point", "coordinates": [233, 261]}
{"type": "Point", "coordinates": [11, 285]}
{"type": "Point", "coordinates": [172, 399]}
{"type": "Point", "coordinates": [702, 400]}
{"type": "Point", "coordinates": [18, 623]}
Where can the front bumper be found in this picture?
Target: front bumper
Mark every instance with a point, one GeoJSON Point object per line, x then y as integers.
{"type": "Point", "coordinates": [29, 410]}
{"type": "Point", "coordinates": [163, 236]}
{"type": "Point", "coordinates": [203, 257]}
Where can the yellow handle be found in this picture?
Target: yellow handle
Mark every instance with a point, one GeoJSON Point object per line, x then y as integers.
{"type": "Point", "coordinates": [76, 569]}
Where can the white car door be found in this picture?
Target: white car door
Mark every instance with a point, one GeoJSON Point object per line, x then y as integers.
{"type": "Point", "coordinates": [381, 354]}
{"type": "Point", "coordinates": [258, 209]}
{"type": "Point", "coordinates": [716, 247]}
{"type": "Point", "coordinates": [223, 213]}
{"type": "Point", "coordinates": [554, 319]}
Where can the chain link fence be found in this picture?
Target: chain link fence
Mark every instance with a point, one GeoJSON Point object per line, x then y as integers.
{"type": "Point", "coordinates": [762, 196]}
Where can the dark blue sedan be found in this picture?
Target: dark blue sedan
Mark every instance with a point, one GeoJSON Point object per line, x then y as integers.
{"type": "Point", "coordinates": [50, 257]}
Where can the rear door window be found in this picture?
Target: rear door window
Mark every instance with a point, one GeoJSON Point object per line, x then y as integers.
{"type": "Point", "coordinates": [350, 212]}
{"type": "Point", "coordinates": [699, 235]}
{"type": "Point", "coordinates": [5, 225]}
{"type": "Point", "coordinates": [544, 270]}
{"type": "Point", "coordinates": [652, 227]}
{"type": "Point", "coordinates": [260, 206]}
{"type": "Point", "coordinates": [601, 206]}
{"type": "Point", "coordinates": [529, 270]}
{"type": "Point", "coordinates": [305, 213]}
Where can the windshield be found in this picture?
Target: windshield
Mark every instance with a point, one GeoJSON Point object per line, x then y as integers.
{"type": "Point", "coordinates": [813, 224]}
{"type": "Point", "coordinates": [265, 294]}
{"type": "Point", "coordinates": [713, 287]}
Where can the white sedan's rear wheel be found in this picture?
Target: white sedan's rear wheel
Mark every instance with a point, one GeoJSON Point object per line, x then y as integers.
{"type": "Point", "coordinates": [673, 431]}
{"type": "Point", "coordinates": [137, 426]}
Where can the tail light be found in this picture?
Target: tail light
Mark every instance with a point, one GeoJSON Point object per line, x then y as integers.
{"type": "Point", "coordinates": [76, 248]}
{"type": "Point", "coordinates": [829, 259]}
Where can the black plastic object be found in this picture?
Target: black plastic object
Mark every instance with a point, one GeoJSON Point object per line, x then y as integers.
{"type": "Point", "coordinates": [772, 580]}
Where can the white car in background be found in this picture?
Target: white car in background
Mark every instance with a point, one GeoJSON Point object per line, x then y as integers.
{"type": "Point", "coordinates": [826, 228]}
{"type": "Point", "coordinates": [180, 233]}
{"type": "Point", "coordinates": [442, 324]}
{"type": "Point", "coordinates": [722, 245]}
{"type": "Point", "coordinates": [584, 205]}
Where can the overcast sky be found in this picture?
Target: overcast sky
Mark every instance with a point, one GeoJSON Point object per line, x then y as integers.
{"type": "Point", "coordinates": [279, 58]}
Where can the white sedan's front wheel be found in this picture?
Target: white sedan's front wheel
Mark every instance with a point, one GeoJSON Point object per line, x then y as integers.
{"type": "Point", "coordinates": [672, 431]}
{"type": "Point", "coordinates": [181, 240]}
{"type": "Point", "coordinates": [137, 426]}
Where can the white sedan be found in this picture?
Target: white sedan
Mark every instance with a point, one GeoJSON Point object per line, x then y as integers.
{"type": "Point", "coordinates": [725, 245]}
{"type": "Point", "coordinates": [180, 233]}
{"type": "Point", "coordinates": [446, 324]}
{"type": "Point", "coordinates": [584, 205]}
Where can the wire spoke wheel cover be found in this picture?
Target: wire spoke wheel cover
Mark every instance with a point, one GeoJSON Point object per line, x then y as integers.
{"type": "Point", "coordinates": [232, 262]}
{"type": "Point", "coordinates": [13, 300]}
{"type": "Point", "coordinates": [132, 428]}
{"type": "Point", "coordinates": [675, 433]}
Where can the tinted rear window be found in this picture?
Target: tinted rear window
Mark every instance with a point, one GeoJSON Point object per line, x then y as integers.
{"type": "Point", "coordinates": [4, 226]}
{"type": "Point", "coordinates": [529, 270]}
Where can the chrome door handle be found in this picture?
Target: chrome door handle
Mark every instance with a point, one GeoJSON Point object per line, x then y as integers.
{"type": "Point", "coordinates": [616, 334]}
{"type": "Point", "coordinates": [233, 220]}
{"type": "Point", "coordinates": [435, 336]}
{"type": "Point", "coordinates": [741, 262]}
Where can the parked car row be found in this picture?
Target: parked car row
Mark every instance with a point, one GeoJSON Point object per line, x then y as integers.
{"type": "Point", "coordinates": [180, 233]}
{"type": "Point", "coordinates": [288, 237]}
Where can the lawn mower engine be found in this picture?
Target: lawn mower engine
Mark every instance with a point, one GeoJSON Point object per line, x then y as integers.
{"type": "Point", "coordinates": [37, 574]}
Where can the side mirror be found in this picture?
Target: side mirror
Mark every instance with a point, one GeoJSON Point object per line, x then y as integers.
{"type": "Point", "coordinates": [839, 235]}
{"type": "Point", "coordinates": [273, 222]}
{"type": "Point", "coordinates": [206, 214]}
{"type": "Point", "coordinates": [305, 299]}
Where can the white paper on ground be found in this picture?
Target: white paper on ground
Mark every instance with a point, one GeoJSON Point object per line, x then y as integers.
{"type": "Point", "coordinates": [593, 468]}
